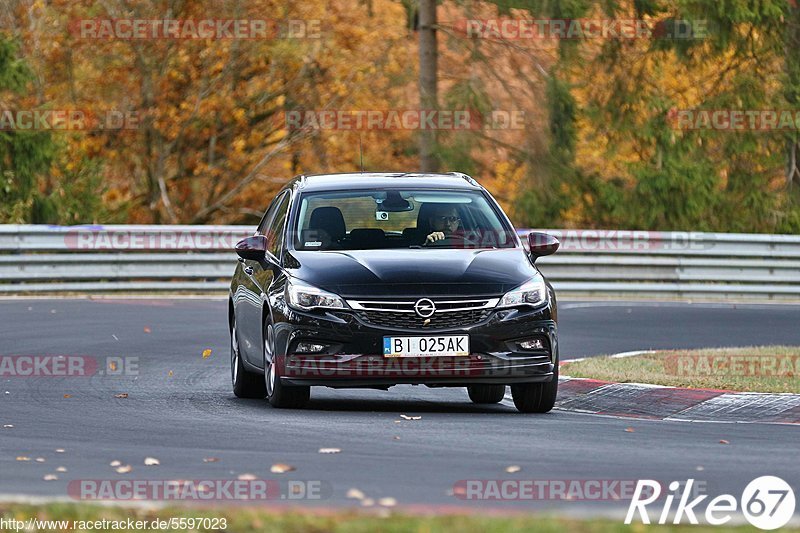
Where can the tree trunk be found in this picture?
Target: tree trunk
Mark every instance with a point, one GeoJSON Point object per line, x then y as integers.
{"type": "Point", "coordinates": [428, 56]}
{"type": "Point", "coordinates": [792, 90]}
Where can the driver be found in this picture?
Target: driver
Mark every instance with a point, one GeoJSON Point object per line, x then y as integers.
{"type": "Point", "coordinates": [444, 221]}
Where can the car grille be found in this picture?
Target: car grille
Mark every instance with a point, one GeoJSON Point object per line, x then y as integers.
{"type": "Point", "coordinates": [449, 314]}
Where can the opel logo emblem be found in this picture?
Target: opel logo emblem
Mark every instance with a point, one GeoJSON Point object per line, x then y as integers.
{"type": "Point", "coordinates": [424, 308]}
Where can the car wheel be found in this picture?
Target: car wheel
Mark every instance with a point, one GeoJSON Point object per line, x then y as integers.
{"type": "Point", "coordinates": [486, 393]}
{"type": "Point", "coordinates": [536, 397]}
{"type": "Point", "coordinates": [278, 394]}
{"type": "Point", "coordinates": [245, 384]}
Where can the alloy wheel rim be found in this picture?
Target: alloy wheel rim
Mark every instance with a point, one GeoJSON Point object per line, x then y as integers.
{"type": "Point", "coordinates": [268, 363]}
{"type": "Point", "coordinates": [234, 355]}
{"type": "Point", "coordinates": [271, 379]}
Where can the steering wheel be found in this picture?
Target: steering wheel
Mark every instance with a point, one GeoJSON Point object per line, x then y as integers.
{"type": "Point", "coordinates": [453, 240]}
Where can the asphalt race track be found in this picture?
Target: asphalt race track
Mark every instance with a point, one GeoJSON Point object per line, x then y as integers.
{"type": "Point", "coordinates": [180, 410]}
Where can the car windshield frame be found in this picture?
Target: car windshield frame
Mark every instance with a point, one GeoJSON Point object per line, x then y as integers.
{"type": "Point", "coordinates": [292, 236]}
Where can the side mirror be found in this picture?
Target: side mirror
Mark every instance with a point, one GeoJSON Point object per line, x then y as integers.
{"type": "Point", "coordinates": [542, 244]}
{"type": "Point", "coordinates": [254, 248]}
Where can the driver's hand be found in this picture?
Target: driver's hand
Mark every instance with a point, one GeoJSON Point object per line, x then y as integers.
{"type": "Point", "coordinates": [435, 236]}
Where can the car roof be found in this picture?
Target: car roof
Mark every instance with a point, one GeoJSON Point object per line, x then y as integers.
{"type": "Point", "coordinates": [384, 180]}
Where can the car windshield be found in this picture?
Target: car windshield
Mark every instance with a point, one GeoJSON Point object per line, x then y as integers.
{"type": "Point", "coordinates": [362, 220]}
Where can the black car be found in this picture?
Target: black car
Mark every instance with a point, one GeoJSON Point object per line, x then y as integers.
{"type": "Point", "coordinates": [377, 279]}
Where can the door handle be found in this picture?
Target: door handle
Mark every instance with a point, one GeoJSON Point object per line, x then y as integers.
{"type": "Point", "coordinates": [248, 271]}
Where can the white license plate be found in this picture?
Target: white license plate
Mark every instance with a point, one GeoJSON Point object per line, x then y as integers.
{"type": "Point", "coordinates": [434, 346]}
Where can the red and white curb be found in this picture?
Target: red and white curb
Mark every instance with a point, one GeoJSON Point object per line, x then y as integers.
{"type": "Point", "coordinates": [637, 400]}
{"type": "Point", "coordinates": [657, 402]}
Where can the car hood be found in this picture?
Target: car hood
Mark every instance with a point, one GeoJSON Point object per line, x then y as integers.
{"type": "Point", "coordinates": [415, 272]}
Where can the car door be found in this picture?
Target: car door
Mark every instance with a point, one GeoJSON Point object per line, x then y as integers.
{"type": "Point", "coordinates": [256, 279]}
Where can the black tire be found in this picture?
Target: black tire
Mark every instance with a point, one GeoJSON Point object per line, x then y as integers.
{"type": "Point", "coordinates": [280, 395]}
{"type": "Point", "coordinates": [536, 397]}
{"type": "Point", "coordinates": [245, 384]}
{"type": "Point", "coordinates": [484, 394]}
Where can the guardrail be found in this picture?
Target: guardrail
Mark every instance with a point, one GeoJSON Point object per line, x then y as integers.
{"type": "Point", "coordinates": [128, 258]}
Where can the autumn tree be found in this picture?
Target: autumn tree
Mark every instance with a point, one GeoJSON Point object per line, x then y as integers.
{"type": "Point", "coordinates": [24, 154]}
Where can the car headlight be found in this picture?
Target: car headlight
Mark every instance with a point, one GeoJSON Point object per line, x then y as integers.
{"type": "Point", "coordinates": [306, 297]}
{"type": "Point", "coordinates": [533, 292]}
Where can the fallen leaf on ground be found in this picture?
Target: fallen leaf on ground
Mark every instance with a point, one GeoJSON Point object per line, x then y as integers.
{"type": "Point", "coordinates": [406, 417]}
{"type": "Point", "coordinates": [121, 395]}
{"type": "Point", "coordinates": [355, 494]}
{"type": "Point", "coordinates": [512, 469]}
{"type": "Point", "coordinates": [281, 468]}
{"type": "Point", "coordinates": [151, 461]}
{"type": "Point", "coordinates": [206, 353]}
{"type": "Point", "coordinates": [124, 469]}
{"type": "Point", "coordinates": [246, 477]}
{"type": "Point", "coordinates": [387, 502]}
{"type": "Point", "coordinates": [50, 477]}
{"type": "Point", "coordinates": [329, 450]}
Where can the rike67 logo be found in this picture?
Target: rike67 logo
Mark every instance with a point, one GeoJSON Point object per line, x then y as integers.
{"type": "Point", "coordinates": [767, 502]}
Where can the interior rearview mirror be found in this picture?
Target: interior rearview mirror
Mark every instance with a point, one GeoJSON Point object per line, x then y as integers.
{"type": "Point", "coordinates": [394, 203]}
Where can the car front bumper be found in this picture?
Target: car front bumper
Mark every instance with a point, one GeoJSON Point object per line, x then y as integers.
{"type": "Point", "coordinates": [354, 351]}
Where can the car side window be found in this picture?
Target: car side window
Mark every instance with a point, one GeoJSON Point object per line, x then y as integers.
{"type": "Point", "coordinates": [275, 226]}
{"type": "Point", "coordinates": [267, 218]}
